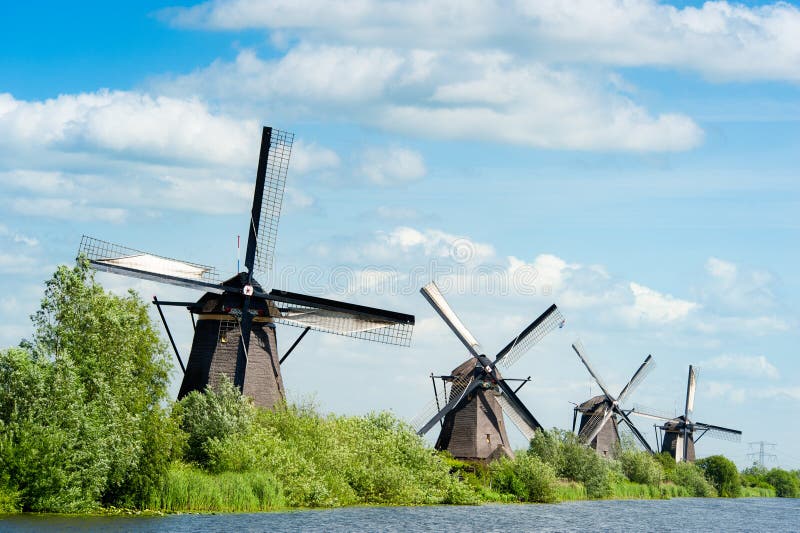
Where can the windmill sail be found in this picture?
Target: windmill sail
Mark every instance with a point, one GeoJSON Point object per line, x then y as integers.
{"type": "Point", "coordinates": [234, 332]}
{"type": "Point", "coordinates": [690, 389]}
{"type": "Point", "coordinates": [435, 297]}
{"type": "Point", "coordinates": [544, 324]}
{"type": "Point", "coordinates": [117, 259]}
{"type": "Point", "coordinates": [342, 318]}
{"type": "Point", "coordinates": [510, 411]}
{"type": "Point", "coordinates": [641, 373]}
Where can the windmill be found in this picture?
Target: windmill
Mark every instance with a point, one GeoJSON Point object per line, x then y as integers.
{"type": "Point", "coordinates": [472, 419]}
{"type": "Point", "coordinates": [678, 433]}
{"type": "Point", "coordinates": [599, 424]}
{"type": "Point", "coordinates": [234, 334]}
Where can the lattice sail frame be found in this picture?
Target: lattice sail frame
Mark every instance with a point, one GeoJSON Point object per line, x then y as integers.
{"type": "Point", "coordinates": [719, 434]}
{"type": "Point", "coordinates": [106, 253]}
{"type": "Point", "coordinates": [457, 388]}
{"type": "Point", "coordinates": [343, 323]}
{"type": "Point", "coordinates": [527, 431]}
{"type": "Point", "coordinates": [524, 343]}
{"type": "Point", "coordinates": [280, 150]}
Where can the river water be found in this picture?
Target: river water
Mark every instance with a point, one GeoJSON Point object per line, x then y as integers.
{"type": "Point", "coordinates": [680, 514]}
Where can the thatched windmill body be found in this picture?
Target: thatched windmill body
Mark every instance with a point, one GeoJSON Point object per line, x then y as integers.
{"type": "Point", "coordinates": [234, 334]}
{"type": "Point", "coordinates": [602, 414]}
{"type": "Point", "coordinates": [471, 411]}
{"type": "Point", "coordinates": [679, 434]}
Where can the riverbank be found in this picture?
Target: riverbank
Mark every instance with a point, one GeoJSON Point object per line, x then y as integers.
{"type": "Point", "coordinates": [86, 425]}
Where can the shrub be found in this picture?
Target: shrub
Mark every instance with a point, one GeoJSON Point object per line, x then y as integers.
{"type": "Point", "coordinates": [723, 474]}
{"type": "Point", "coordinates": [786, 484]}
{"type": "Point", "coordinates": [324, 461]}
{"type": "Point", "coordinates": [80, 403]}
{"type": "Point", "coordinates": [527, 477]}
{"type": "Point", "coordinates": [218, 413]}
{"type": "Point", "coordinates": [690, 476]}
{"type": "Point", "coordinates": [572, 460]}
{"type": "Point", "coordinates": [641, 467]}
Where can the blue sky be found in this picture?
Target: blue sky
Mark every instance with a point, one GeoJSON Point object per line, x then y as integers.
{"type": "Point", "coordinates": [639, 158]}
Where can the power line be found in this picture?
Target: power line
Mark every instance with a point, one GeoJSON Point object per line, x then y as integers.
{"type": "Point", "coordinates": [761, 455]}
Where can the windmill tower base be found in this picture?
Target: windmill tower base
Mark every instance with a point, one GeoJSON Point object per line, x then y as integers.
{"type": "Point", "coordinates": [475, 430]}
{"type": "Point", "coordinates": [673, 443]}
{"type": "Point", "coordinates": [214, 352]}
{"type": "Point", "coordinates": [606, 443]}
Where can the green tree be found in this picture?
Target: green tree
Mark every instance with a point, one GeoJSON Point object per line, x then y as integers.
{"type": "Point", "coordinates": [641, 467]}
{"type": "Point", "coordinates": [527, 477]}
{"type": "Point", "coordinates": [723, 474]}
{"type": "Point", "coordinates": [83, 420]}
{"type": "Point", "coordinates": [220, 412]}
{"type": "Point", "coordinates": [786, 484]}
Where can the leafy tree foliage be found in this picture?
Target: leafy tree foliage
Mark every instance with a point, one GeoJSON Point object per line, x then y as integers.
{"type": "Point", "coordinates": [527, 477]}
{"type": "Point", "coordinates": [723, 474]}
{"type": "Point", "coordinates": [787, 484]}
{"type": "Point", "coordinates": [572, 460]}
{"type": "Point", "coordinates": [80, 406]}
{"type": "Point", "coordinates": [641, 467]}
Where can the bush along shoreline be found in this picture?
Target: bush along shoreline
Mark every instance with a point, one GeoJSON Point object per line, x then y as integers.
{"type": "Point", "coordinates": [86, 426]}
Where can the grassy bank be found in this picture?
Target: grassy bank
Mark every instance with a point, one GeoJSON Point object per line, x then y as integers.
{"type": "Point", "coordinates": [86, 426]}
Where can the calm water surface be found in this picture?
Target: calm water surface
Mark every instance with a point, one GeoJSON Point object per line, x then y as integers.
{"type": "Point", "coordinates": [685, 514]}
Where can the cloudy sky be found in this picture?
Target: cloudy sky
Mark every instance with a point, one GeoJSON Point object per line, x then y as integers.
{"type": "Point", "coordinates": [633, 161]}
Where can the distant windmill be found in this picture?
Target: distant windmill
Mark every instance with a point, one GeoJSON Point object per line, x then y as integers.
{"type": "Point", "coordinates": [678, 434]}
{"type": "Point", "coordinates": [599, 424]}
{"type": "Point", "coordinates": [473, 427]}
{"type": "Point", "coordinates": [235, 330]}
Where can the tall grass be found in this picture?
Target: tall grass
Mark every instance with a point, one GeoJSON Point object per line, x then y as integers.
{"type": "Point", "coordinates": [758, 492]}
{"type": "Point", "coordinates": [570, 491]}
{"type": "Point", "coordinates": [187, 488]}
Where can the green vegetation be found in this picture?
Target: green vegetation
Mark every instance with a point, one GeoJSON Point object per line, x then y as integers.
{"type": "Point", "coordinates": [80, 404]}
{"type": "Point", "coordinates": [722, 473]}
{"type": "Point", "coordinates": [85, 424]}
{"type": "Point", "coordinates": [782, 483]}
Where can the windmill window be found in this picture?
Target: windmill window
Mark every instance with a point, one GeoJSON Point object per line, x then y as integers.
{"type": "Point", "coordinates": [489, 439]}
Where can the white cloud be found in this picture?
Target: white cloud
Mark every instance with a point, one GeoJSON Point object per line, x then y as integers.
{"type": "Point", "coordinates": [397, 213]}
{"type": "Point", "coordinates": [654, 306]}
{"type": "Point", "coordinates": [735, 288]}
{"type": "Point", "coordinates": [16, 263]}
{"type": "Point", "coordinates": [444, 94]}
{"type": "Point", "coordinates": [18, 237]}
{"type": "Point", "coordinates": [748, 366]}
{"type": "Point", "coordinates": [733, 393]}
{"type": "Point", "coordinates": [392, 166]}
{"type": "Point", "coordinates": [718, 39]}
{"type": "Point", "coordinates": [791, 393]}
{"type": "Point", "coordinates": [311, 157]}
{"type": "Point", "coordinates": [156, 153]}
{"type": "Point", "coordinates": [67, 209]}
{"type": "Point", "coordinates": [127, 124]}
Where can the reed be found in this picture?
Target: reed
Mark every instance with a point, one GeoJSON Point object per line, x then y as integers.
{"type": "Point", "coordinates": [570, 491]}
{"type": "Point", "coordinates": [758, 492]}
{"type": "Point", "coordinates": [188, 488]}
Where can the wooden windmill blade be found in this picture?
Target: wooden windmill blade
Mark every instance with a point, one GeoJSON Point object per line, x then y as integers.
{"type": "Point", "coordinates": [516, 411]}
{"type": "Point", "coordinates": [595, 424]}
{"type": "Point", "coordinates": [342, 318]}
{"type": "Point", "coordinates": [455, 400]}
{"type": "Point", "coordinates": [437, 300]}
{"type": "Point", "coordinates": [536, 330]}
{"type": "Point", "coordinates": [577, 346]}
{"type": "Point", "coordinates": [273, 165]}
{"type": "Point", "coordinates": [458, 384]}
{"type": "Point", "coordinates": [105, 256]}
{"type": "Point", "coordinates": [642, 372]}
{"type": "Point", "coordinates": [718, 432]}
